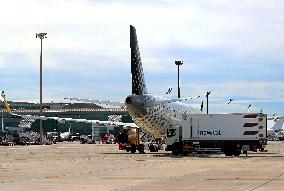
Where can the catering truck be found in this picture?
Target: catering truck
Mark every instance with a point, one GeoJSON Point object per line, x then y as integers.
{"type": "Point", "coordinates": [228, 133]}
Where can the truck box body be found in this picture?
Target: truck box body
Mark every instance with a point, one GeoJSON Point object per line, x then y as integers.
{"type": "Point", "coordinates": [228, 132]}
{"type": "Point", "coordinates": [224, 126]}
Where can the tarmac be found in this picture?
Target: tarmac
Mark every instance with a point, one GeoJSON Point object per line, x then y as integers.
{"type": "Point", "coordinates": [74, 166]}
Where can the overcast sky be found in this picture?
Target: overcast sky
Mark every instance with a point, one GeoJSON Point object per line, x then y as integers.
{"type": "Point", "coordinates": [232, 48]}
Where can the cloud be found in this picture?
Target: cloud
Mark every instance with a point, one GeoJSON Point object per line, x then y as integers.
{"type": "Point", "coordinates": [262, 95]}
{"type": "Point", "coordinates": [225, 45]}
{"type": "Point", "coordinates": [255, 90]}
{"type": "Point", "coordinates": [97, 27]}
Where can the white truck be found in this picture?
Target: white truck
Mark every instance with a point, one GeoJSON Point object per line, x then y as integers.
{"type": "Point", "coordinates": [228, 133]}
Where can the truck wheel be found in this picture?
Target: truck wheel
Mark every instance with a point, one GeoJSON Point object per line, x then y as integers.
{"type": "Point", "coordinates": [237, 153]}
{"type": "Point", "coordinates": [237, 150]}
{"type": "Point", "coordinates": [141, 149]}
{"type": "Point", "coordinates": [228, 150]}
{"type": "Point", "coordinates": [185, 153]}
{"type": "Point", "coordinates": [133, 148]}
{"type": "Point", "coordinates": [176, 149]}
{"type": "Point", "coordinates": [228, 153]}
{"type": "Point", "coordinates": [153, 148]}
{"type": "Point", "coordinates": [175, 152]}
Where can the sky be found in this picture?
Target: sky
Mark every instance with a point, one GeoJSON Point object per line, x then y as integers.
{"type": "Point", "coordinates": [232, 48]}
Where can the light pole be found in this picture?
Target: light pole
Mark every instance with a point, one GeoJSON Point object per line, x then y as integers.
{"type": "Point", "coordinates": [178, 63]}
{"type": "Point", "coordinates": [2, 122]}
{"type": "Point", "coordinates": [41, 36]}
{"type": "Point", "coordinates": [207, 95]}
{"type": "Point", "coordinates": [230, 101]}
{"type": "Point", "coordinates": [249, 107]}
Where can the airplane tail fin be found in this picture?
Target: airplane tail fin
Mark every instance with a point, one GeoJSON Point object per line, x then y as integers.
{"type": "Point", "coordinates": [138, 82]}
{"type": "Point", "coordinates": [5, 102]}
{"type": "Point", "coordinates": [278, 124]}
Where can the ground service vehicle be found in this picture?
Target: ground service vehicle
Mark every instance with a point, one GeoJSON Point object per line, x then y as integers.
{"type": "Point", "coordinates": [134, 141]}
{"type": "Point", "coordinates": [228, 133]}
{"type": "Point", "coordinates": [87, 139]}
{"type": "Point", "coordinates": [131, 140]}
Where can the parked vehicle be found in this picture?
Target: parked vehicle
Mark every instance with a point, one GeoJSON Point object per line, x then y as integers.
{"type": "Point", "coordinates": [228, 133]}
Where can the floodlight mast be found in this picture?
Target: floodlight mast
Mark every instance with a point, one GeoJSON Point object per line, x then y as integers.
{"type": "Point", "coordinates": [178, 63]}
{"type": "Point", "coordinates": [41, 36]}
{"type": "Point", "coordinates": [207, 95]}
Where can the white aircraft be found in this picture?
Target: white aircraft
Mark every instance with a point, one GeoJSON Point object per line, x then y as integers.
{"type": "Point", "coordinates": [32, 118]}
{"type": "Point", "coordinates": [274, 124]}
{"type": "Point", "coordinates": [155, 114]}
{"type": "Point", "coordinates": [151, 113]}
{"type": "Point", "coordinates": [66, 135]}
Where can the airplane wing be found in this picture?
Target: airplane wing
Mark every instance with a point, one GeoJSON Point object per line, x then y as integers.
{"type": "Point", "coordinates": [170, 101]}
{"type": "Point", "coordinates": [275, 123]}
{"type": "Point", "coordinates": [275, 118]}
{"type": "Point", "coordinates": [96, 101]}
{"type": "Point", "coordinates": [122, 104]}
{"type": "Point", "coordinates": [62, 120]}
{"type": "Point", "coordinates": [35, 117]}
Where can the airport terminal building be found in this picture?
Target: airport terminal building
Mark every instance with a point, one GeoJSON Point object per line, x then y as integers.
{"type": "Point", "coordinates": [63, 110]}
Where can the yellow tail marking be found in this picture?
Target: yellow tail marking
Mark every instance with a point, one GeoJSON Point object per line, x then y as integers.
{"type": "Point", "coordinates": [5, 102]}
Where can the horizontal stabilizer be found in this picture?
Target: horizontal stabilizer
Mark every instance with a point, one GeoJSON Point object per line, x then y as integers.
{"type": "Point", "coordinates": [96, 101]}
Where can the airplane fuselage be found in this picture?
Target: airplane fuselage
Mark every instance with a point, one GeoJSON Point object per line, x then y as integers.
{"type": "Point", "coordinates": [155, 114]}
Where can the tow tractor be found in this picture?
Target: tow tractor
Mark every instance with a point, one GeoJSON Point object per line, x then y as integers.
{"type": "Point", "coordinates": [130, 139]}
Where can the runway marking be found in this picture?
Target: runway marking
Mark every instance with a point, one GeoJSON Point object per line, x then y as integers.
{"type": "Point", "coordinates": [122, 178]}
{"type": "Point", "coordinates": [245, 178]}
{"type": "Point", "coordinates": [21, 159]}
{"type": "Point", "coordinates": [276, 178]}
{"type": "Point", "coordinates": [140, 160]}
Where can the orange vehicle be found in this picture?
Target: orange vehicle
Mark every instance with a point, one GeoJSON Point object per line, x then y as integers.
{"type": "Point", "coordinates": [131, 140]}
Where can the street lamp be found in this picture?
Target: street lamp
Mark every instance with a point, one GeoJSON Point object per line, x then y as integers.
{"type": "Point", "coordinates": [178, 63]}
{"type": "Point", "coordinates": [248, 107]}
{"type": "Point", "coordinates": [169, 91]}
{"type": "Point", "coordinates": [207, 94]}
{"type": "Point", "coordinates": [41, 36]}
{"type": "Point", "coordinates": [230, 101]}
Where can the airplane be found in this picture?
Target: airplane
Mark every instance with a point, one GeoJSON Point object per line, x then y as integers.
{"type": "Point", "coordinates": [149, 112]}
{"type": "Point", "coordinates": [274, 124]}
{"type": "Point", "coordinates": [152, 113]}
{"type": "Point", "coordinates": [66, 136]}
{"type": "Point", "coordinates": [32, 118]}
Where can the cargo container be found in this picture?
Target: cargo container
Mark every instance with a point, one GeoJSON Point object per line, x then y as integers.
{"type": "Point", "coordinates": [228, 133]}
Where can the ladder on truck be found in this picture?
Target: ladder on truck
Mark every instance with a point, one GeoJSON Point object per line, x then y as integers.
{"type": "Point", "coordinates": [208, 150]}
